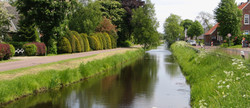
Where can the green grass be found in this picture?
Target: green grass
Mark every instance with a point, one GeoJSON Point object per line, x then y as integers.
{"type": "Point", "coordinates": [216, 80]}
{"type": "Point", "coordinates": [236, 46]}
{"type": "Point", "coordinates": [53, 79]}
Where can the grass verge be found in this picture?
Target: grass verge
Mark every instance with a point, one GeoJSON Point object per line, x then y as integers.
{"type": "Point", "coordinates": [52, 79]}
{"type": "Point", "coordinates": [216, 80]}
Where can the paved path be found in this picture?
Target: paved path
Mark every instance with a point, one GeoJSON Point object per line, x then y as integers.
{"type": "Point", "coordinates": [48, 59]}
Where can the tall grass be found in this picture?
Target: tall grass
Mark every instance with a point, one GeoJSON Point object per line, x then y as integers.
{"type": "Point", "coordinates": [53, 79]}
{"type": "Point", "coordinates": [216, 80]}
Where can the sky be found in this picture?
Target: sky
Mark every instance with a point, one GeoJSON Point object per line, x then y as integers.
{"type": "Point", "coordinates": [187, 9]}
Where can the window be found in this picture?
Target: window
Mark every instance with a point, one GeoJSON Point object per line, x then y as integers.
{"type": "Point", "coordinates": [246, 19]}
{"type": "Point", "coordinates": [246, 32]}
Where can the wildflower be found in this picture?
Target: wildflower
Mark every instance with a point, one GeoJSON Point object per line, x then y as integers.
{"type": "Point", "coordinates": [247, 74]}
{"type": "Point", "coordinates": [244, 95]}
{"type": "Point", "coordinates": [223, 82]}
{"type": "Point", "coordinates": [228, 86]}
{"type": "Point", "coordinates": [220, 86]}
{"type": "Point", "coordinates": [237, 78]}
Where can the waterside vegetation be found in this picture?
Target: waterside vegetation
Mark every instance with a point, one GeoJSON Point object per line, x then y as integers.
{"type": "Point", "coordinates": [24, 85]}
{"type": "Point", "coordinates": [216, 80]}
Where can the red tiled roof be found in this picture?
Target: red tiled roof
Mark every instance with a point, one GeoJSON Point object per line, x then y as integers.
{"type": "Point", "coordinates": [215, 27]}
{"type": "Point", "coordinates": [212, 29]}
{"type": "Point", "coordinates": [242, 5]}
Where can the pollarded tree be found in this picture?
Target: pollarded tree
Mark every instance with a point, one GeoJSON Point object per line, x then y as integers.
{"type": "Point", "coordinates": [172, 28]}
{"type": "Point", "coordinates": [229, 17]}
{"type": "Point", "coordinates": [195, 29]}
{"type": "Point", "coordinates": [145, 25]}
{"type": "Point", "coordinates": [206, 20]}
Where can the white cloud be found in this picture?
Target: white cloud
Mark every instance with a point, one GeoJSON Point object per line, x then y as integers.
{"type": "Point", "coordinates": [187, 9]}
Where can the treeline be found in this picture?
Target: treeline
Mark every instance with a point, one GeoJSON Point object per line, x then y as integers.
{"type": "Point", "coordinates": [104, 24]}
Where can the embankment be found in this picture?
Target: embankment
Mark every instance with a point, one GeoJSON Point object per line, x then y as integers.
{"type": "Point", "coordinates": [15, 88]}
{"type": "Point", "coordinates": [216, 80]}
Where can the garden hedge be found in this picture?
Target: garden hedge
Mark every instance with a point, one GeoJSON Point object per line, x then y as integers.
{"type": "Point", "coordinates": [40, 49]}
{"type": "Point", "coordinates": [30, 49]}
{"type": "Point", "coordinates": [108, 40]}
{"type": "Point", "coordinates": [71, 39]}
{"type": "Point", "coordinates": [79, 39]}
{"type": "Point", "coordinates": [64, 46]}
{"type": "Point", "coordinates": [5, 52]}
{"type": "Point", "coordinates": [86, 42]}
{"type": "Point", "coordinates": [77, 44]}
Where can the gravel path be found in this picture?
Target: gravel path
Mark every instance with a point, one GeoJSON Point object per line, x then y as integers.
{"type": "Point", "coordinates": [26, 61]}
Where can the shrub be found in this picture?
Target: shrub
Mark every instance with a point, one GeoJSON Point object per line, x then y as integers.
{"type": "Point", "coordinates": [52, 46]}
{"type": "Point", "coordinates": [108, 41]}
{"type": "Point", "coordinates": [30, 49]}
{"type": "Point", "coordinates": [12, 50]}
{"type": "Point", "coordinates": [99, 40]}
{"type": "Point", "coordinates": [127, 43]}
{"type": "Point", "coordinates": [18, 44]}
{"type": "Point", "coordinates": [79, 39]}
{"type": "Point", "coordinates": [86, 42]}
{"type": "Point", "coordinates": [103, 40]}
{"type": "Point", "coordinates": [94, 43]}
{"type": "Point", "coordinates": [113, 41]}
{"type": "Point", "coordinates": [64, 46]}
{"type": "Point", "coordinates": [77, 44]}
{"type": "Point", "coordinates": [40, 49]}
{"type": "Point", "coordinates": [71, 39]}
{"type": "Point", "coordinates": [5, 52]}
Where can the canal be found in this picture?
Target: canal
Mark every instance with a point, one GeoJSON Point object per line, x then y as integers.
{"type": "Point", "coordinates": [154, 81]}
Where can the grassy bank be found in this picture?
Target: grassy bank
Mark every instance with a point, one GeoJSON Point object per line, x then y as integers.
{"type": "Point", "coordinates": [216, 80]}
{"type": "Point", "coordinates": [53, 79]}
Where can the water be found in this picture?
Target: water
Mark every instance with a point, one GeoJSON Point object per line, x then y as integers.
{"type": "Point", "coordinates": [154, 81]}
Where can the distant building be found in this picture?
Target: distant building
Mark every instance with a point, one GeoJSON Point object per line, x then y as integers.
{"type": "Point", "coordinates": [212, 34]}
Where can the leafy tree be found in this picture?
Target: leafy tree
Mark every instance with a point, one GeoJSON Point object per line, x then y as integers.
{"type": "Point", "coordinates": [229, 18]}
{"type": "Point", "coordinates": [27, 32]}
{"type": "Point", "coordinates": [4, 20]}
{"type": "Point", "coordinates": [196, 29]}
{"type": "Point", "coordinates": [86, 18]}
{"type": "Point", "coordinates": [47, 15]}
{"type": "Point", "coordinates": [186, 23]}
{"type": "Point", "coordinates": [127, 28]}
{"type": "Point", "coordinates": [205, 19]}
{"type": "Point", "coordinates": [106, 26]}
{"type": "Point", "coordinates": [145, 25]}
{"type": "Point", "coordinates": [172, 28]}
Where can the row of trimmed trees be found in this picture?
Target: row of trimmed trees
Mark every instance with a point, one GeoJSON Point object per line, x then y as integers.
{"type": "Point", "coordinates": [74, 42]}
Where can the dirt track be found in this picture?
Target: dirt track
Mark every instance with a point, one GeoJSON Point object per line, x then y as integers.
{"type": "Point", "coordinates": [48, 59]}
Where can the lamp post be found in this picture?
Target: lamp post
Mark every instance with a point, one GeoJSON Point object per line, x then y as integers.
{"type": "Point", "coordinates": [229, 35]}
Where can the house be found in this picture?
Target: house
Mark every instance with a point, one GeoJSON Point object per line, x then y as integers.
{"type": "Point", "coordinates": [13, 28]}
{"type": "Point", "coordinates": [212, 34]}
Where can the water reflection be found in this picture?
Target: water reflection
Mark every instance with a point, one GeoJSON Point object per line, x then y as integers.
{"type": "Point", "coordinates": [154, 81]}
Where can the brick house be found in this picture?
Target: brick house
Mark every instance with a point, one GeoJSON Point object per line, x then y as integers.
{"type": "Point", "coordinates": [212, 34]}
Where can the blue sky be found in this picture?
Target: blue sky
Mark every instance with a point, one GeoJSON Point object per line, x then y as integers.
{"type": "Point", "coordinates": [187, 9]}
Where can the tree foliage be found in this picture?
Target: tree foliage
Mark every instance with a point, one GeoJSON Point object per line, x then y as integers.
{"type": "Point", "coordinates": [206, 19]}
{"type": "Point", "coordinates": [172, 28]}
{"type": "Point", "coordinates": [186, 23]}
{"type": "Point", "coordinates": [85, 19]}
{"type": "Point", "coordinates": [145, 25]}
{"type": "Point", "coordinates": [46, 14]}
{"type": "Point", "coordinates": [4, 19]}
{"type": "Point", "coordinates": [195, 29]}
{"type": "Point", "coordinates": [229, 18]}
{"type": "Point", "coordinates": [106, 26]}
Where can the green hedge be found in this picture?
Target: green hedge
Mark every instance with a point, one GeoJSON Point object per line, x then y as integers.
{"type": "Point", "coordinates": [94, 43]}
{"type": "Point", "coordinates": [12, 50]}
{"type": "Point", "coordinates": [108, 40]}
{"type": "Point", "coordinates": [79, 39]}
{"type": "Point", "coordinates": [86, 42]}
{"type": "Point", "coordinates": [30, 49]}
{"type": "Point", "coordinates": [71, 39]}
{"type": "Point", "coordinates": [64, 46]}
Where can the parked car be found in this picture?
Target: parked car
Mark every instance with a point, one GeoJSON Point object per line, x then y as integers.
{"type": "Point", "coordinates": [192, 42]}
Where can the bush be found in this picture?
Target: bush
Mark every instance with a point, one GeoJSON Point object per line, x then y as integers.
{"type": "Point", "coordinates": [99, 41]}
{"type": "Point", "coordinates": [17, 45]}
{"type": "Point", "coordinates": [30, 49]}
{"type": "Point", "coordinates": [108, 41]}
{"type": "Point", "coordinates": [77, 44]}
{"type": "Point", "coordinates": [64, 46]}
{"type": "Point", "coordinates": [103, 40]}
{"type": "Point", "coordinates": [52, 46]}
{"type": "Point", "coordinates": [86, 42]}
{"type": "Point", "coordinates": [40, 49]}
{"type": "Point", "coordinates": [12, 50]}
{"type": "Point", "coordinates": [113, 41]}
{"type": "Point", "coordinates": [71, 39]}
{"type": "Point", "coordinates": [127, 43]}
{"type": "Point", "coordinates": [225, 45]}
{"type": "Point", "coordinates": [79, 39]}
{"type": "Point", "coordinates": [94, 43]}
{"type": "Point", "coordinates": [5, 52]}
